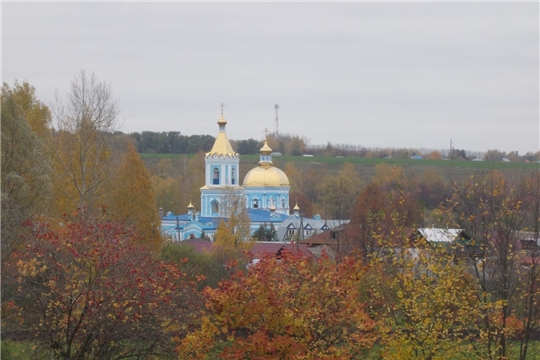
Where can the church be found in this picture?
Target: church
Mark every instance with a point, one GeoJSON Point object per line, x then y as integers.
{"type": "Point", "coordinates": [264, 192]}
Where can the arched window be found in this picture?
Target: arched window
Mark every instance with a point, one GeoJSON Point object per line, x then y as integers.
{"type": "Point", "coordinates": [215, 207]}
{"type": "Point", "coordinates": [255, 203]}
{"type": "Point", "coordinates": [283, 203]}
{"type": "Point", "coordinates": [216, 176]}
{"type": "Point", "coordinates": [233, 179]}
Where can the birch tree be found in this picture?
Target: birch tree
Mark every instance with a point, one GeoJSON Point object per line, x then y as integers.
{"type": "Point", "coordinates": [84, 120]}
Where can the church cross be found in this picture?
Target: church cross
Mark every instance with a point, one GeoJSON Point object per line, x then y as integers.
{"type": "Point", "coordinates": [222, 106]}
{"type": "Point", "coordinates": [266, 131]}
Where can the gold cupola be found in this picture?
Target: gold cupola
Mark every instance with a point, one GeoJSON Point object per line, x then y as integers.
{"type": "Point", "coordinates": [266, 175]}
{"type": "Point", "coordinates": [266, 154]}
{"type": "Point", "coordinates": [222, 146]}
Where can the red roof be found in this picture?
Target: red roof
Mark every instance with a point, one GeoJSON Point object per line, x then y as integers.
{"type": "Point", "coordinates": [260, 248]}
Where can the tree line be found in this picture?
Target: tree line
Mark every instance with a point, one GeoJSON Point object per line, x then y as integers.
{"type": "Point", "coordinates": [173, 142]}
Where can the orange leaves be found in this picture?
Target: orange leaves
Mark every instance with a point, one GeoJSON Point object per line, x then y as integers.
{"type": "Point", "coordinates": [287, 308]}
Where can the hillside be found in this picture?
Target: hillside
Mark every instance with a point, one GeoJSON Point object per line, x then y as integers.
{"type": "Point", "coordinates": [450, 169]}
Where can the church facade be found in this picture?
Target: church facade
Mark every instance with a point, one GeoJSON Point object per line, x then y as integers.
{"type": "Point", "coordinates": [264, 192]}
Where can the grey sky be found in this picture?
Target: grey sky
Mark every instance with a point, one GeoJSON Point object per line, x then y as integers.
{"type": "Point", "coordinates": [376, 75]}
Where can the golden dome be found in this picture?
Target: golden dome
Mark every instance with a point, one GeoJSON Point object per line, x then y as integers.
{"type": "Point", "coordinates": [266, 150]}
{"type": "Point", "coordinates": [266, 176]}
{"type": "Point", "coordinates": [222, 120]}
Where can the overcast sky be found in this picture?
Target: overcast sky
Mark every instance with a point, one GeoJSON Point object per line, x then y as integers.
{"type": "Point", "coordinates": [371, 74]}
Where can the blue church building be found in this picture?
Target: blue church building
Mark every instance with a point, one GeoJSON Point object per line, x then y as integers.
{"type": "Point", "coordinates": [264, 192]}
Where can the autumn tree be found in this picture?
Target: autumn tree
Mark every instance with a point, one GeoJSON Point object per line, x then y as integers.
{"type": "Point", "coordinates": [232, 239]}
{"type": "Point", "coordinates": [80, 147]}
{"type": "Point", "coordinates": [311, 179]}
{"type": "Point", "coordinates": [200, 265]}
{"type": "Point", "coordinates": [381, 214]}
{"type": "Point", "coordinates": [295, 177]}
{"type": "Point", "coordinates": [285, 308]}
{"type": "Point", "coordinates": [530, 309]}
{"type": "Point", "coordinates": [432, 189]}
{"type": "Point", "coordinates": [338, 194]}
{"type": "Point", "coordinates": [425, 299]}
{"type": "Point", "coordinates": [86, 291]}
{"type": "Point", "coordinates": [167, 192]}
{"type": "Point", "coordinates": [494, 155]}
{"type": "Point", "coordinates": [389, 177]}
{"type": "Point", "coordinates": [37, 114]}
{"type": "Point", "coordinates": [164, 167]}
{"type": "Point", "coordinates": [133, 202]}
{"type": "Point", "coordinates": [490, 210]}
{"type": "Point", "coordinates": [26, 171]}
{"type": "Point", "coordinates": [192, 178]}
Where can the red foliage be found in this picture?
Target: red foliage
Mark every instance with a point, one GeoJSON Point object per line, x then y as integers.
{"type": "Point", "coordinates": [87, 290]}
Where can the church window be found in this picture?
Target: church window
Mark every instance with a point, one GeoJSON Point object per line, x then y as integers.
{"type": "Point", "coordinates": [283, 203]}
{"type": "Point", "coordinates": [255, 203]}
{"type": "Point", "coordinates": [233, 180]}
{"type": "Point", "coordinates": [215, 207]}
{"type": "Point", "coordinates": [216, 176]}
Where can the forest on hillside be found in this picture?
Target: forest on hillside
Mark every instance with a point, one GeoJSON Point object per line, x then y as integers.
{"type": "Point", "coordinates": [86, 273]}
{"type": "Point", "coordinates": [173, 142]}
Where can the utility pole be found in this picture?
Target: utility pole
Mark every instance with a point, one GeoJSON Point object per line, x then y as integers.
{"type": "Point", "coordinates": [298, 234]}
{"type": "Point", "coordinates": [277, 125]}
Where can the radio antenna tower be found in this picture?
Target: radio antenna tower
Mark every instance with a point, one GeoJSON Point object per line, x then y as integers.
{"type": "Point", "coordinates": [277, 126]}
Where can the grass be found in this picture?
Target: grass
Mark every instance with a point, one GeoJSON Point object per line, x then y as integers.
{"type": "Point", "coordinates": [17, 350]}
{"type": "Point", "coordinates": [365, 167]}
{"type": "Point", "coordinates": [330, 160]}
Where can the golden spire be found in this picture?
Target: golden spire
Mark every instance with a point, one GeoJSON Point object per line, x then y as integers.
{"type": "Point", "coordinates": [222, 145]}
{"type": "Point", "coordinates": [222, 121]}
{"type": "Point", "coordinates": [266, 150]}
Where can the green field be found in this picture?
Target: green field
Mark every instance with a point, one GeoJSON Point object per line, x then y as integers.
{"type": "Point", "coordinates": [450, 169]}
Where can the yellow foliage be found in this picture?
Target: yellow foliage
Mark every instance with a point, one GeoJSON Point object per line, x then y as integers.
{"type": "Point", "coordinates": [132, 200]}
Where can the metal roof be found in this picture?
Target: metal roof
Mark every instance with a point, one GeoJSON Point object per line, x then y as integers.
{"type": "Point", "coordinates": [440, 235]}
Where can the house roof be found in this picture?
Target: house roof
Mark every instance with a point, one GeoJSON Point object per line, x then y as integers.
{"type": "Point", "coordinates": [323, 250]}
{"type": "Point", "coordinates": [437, 235]}
{"type": "Point", "coordinates": [326, 237]}
{"type": "Point", "coordinates": [319, 225]}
